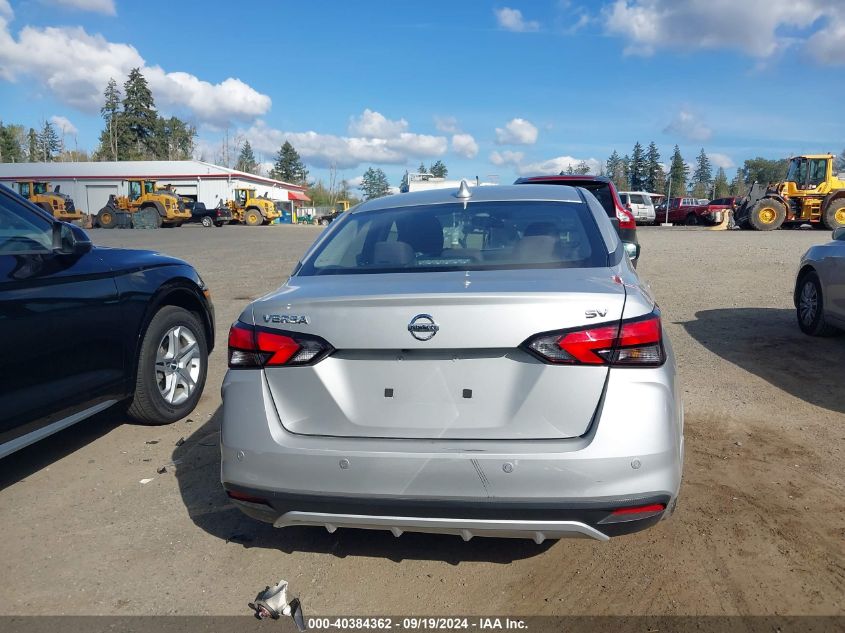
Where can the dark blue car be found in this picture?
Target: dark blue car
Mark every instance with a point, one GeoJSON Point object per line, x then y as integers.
{"type": "Point", "coordinates": [84, 328]}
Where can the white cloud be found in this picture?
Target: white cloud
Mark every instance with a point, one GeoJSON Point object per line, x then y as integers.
{"type": "Point", "coordinates": [64, 125]}
{"type": "Point", "coordinates": [517, 132]}
{"type": "Point", "coordinates": [464, 145]}
{"type": "Point", "coordinates": [446, 124]}
{"type": "Point", "coordinates": [512, 20]}
{"type": "Point", "coordinates": [6, 10]}
{"type": "Point", "coordinates": [355, 182]}
{"type": "Point", "coordinates": [717, 24]}
{"type": "Point", "coordinates": [557, 165]}
{"type": "Point", "coordinates": [324, 150]}
{"type": "Point", "coordinates": [687, 125]}
{"type": "Point", "coordinates": [721, 160]}
{"type": "Point", "coordinates": [75, 67]}
{"type": "Point", "coordinates": [827, 45]}
{"type": "Point", "coordinates": [106, 7]}
{"type": "Point", "coordinates": [371, 124]}
{"type": "Point", "coordinates": [506, 157]}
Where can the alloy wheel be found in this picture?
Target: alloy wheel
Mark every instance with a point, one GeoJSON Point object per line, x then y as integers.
{"type": "Point", "coordinates": [178, 364]}
{"type": "Point", "coordinates": [808, 303]}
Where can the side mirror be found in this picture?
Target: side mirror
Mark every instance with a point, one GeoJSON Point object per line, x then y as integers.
{"type": "Point", "coordinates": [839, 234]}
{"type": "Point", "coordinates": [632, 249]}
{"type": "Point", "coordinates": [70, 240]}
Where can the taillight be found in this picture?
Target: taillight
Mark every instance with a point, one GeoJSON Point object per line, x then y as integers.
{"type": "Point", "coordinates": [626, 219]}
{"type": "Point", "coordinates": [251, 346]}
{"type": "Point", "coordinates": [631, 343]}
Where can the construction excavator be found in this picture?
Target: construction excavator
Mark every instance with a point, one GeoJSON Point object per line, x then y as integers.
{"type": "Point", "coordinates": [812, 193]}
{"type": "Point", "coordinates": [57, 204]}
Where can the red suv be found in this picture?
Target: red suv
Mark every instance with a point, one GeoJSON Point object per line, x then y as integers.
{"type": "Point", "coordinates": [605, 192]}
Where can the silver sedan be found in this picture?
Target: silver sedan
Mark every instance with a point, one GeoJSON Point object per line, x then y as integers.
{"type": "Point", "coordinates": [820, 288]}
{"type": "Point", "coordinates": [479, 362]}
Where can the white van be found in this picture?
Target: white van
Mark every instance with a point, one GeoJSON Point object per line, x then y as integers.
{"type": "Point", "coordinates": [640, 204]}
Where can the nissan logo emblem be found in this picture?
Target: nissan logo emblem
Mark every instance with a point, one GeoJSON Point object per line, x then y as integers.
{"type": "Point", "coordinates": [422, 327]}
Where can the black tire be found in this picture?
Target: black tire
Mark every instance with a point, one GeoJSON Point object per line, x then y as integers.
{"type": "Point", "coordinates": [207, 221]}
{"type": "Point", "coordinates": [106, 219]}
{"type": "Point", "coordinates": [691, 219]}
{"type": "Point", "coordinates": [219, 224]}
{"type": "Point", "coordinates": [148, 405]}
{"type": "Point", "coordinates": [253, 217]}
{"type": "Point", "coordinates": [767, 214]}
{"type": "Point", "coordinates": [834, 216]}
{"type": "Point", "coordinates": [324, 222]}
{"type": "Point", "coordinates": [809, 307]}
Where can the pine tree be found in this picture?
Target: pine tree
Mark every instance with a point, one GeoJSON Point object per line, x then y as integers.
{"type": "Point", "coordinates": [721, 188]}
{"type": "Point", "coordinates": [289, 166]}
{"type": "Point", "coordinates": [438, 169]}
{"type": "Point", "coordinates": [840, 161]}
{"type": "Point", "coordinates": [48, 142]}
{"type": "Point", "coordinates": [111, 115]}
{"type": "Point", "coordinates": [702, 176]}
{"type": "Point", "coordinates": [11, 150]}
{"type": "Point", "coordinates": [738, 187]}
{"type": "Point", "coordinates": [626, 172]}
{"type": "Point", "coordinates": [678, 173]}
{"type": "Point", "coordinates": [637, 168]}
{"type": "Point", "coordinates": [139, 119]}
{"type": "Point", "coordinates": [374, 184]}
{"type": "Point", "coordinates": [615, 168]}
{"type": "Point", "coordinates": [654, 175]}
{"type": "Point", "coordinates": [422, 169]}
{"type": "Point", "coordinates": [32, 146]}
{"type": "Point", "coordinates": [246, 159]}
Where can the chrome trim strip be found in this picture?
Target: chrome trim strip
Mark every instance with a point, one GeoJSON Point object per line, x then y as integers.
{"type": "Point", "coordinates": [33, 436]}
{"type": "Point", "coordinates": [538, 531]}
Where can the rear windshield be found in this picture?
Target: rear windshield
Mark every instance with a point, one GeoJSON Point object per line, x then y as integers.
{"type": "Point", "coordinates": [484, 236]}
{"type": "Point", "coordinates": [636, 198]}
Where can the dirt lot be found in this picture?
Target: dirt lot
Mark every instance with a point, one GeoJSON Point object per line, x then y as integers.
{"type": "Point", "coordinates": [759, 530]}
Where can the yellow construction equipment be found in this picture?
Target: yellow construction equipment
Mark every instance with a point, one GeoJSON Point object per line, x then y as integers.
{"type": "Point", "coordinates": [252, 210]}
{"type": "Point", "coordinates": [811, 193]}
{"type": "Point", "coordinates": [145, 196]}
{"type": "Point", "coordinates": [57, 204]}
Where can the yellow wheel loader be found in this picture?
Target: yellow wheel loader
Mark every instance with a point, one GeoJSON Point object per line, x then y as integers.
{"type": "Point", "coordinates": [811, 193]}
{"type": "Point", "coordinates": [164, 206]}
{"type": "Point", "coordinates": [252, 210]}
{"type": "Point", "coordinates": [57, 204]}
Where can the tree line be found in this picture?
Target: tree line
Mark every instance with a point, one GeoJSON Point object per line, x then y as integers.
{"type": "Point", "coordinates": [642, 170]}
{"type": "Point", "coordinates": [44, 145]}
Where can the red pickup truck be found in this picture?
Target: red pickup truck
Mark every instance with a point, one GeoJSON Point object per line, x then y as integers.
{"type": "Point", "coordinates": [688, 211]}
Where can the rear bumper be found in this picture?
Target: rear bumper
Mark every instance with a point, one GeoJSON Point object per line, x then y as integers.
{"type": "Point", "coordinates": [534, 520]}
{"type": "Point", "coordinates": [631, 456]}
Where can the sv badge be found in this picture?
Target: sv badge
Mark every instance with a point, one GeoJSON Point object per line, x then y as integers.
{"type": "Point", "coordinates": [592, 314]}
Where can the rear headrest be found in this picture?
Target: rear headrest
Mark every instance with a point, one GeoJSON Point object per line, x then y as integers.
{"type": "Point", "coordinates": [393, 253]}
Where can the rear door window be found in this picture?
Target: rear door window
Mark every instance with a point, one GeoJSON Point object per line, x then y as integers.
{"type": "Point", "coordinates": [636, 198]}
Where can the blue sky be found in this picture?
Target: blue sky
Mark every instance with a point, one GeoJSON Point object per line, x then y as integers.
{"type": "Point", "coordinates": [489, 88]}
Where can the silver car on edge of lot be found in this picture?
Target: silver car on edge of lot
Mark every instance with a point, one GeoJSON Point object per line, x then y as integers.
{"type": "Point", "coordinates": [481, 362]}
{"type": "Point", "coordinates": [820, 288]}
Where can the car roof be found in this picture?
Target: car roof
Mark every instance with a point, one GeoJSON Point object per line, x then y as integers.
{"type": "Point", "coordinates": [485, 193]}
{"type": "Point", "coordinates": [562, 178]}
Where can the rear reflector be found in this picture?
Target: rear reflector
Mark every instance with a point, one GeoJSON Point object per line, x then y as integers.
{"type": "Point", "coordinates": [251, 346]}
{"type": "Point", "coordinates": [242, 496]}
{"type": "Point", "coordinates": [655, 507]}
{"type": "Point", "coordinates": [633, 343]}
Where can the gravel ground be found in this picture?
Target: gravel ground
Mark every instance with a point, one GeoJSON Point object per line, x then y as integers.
{"type": "Point", "coordinates": [759, 529]}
